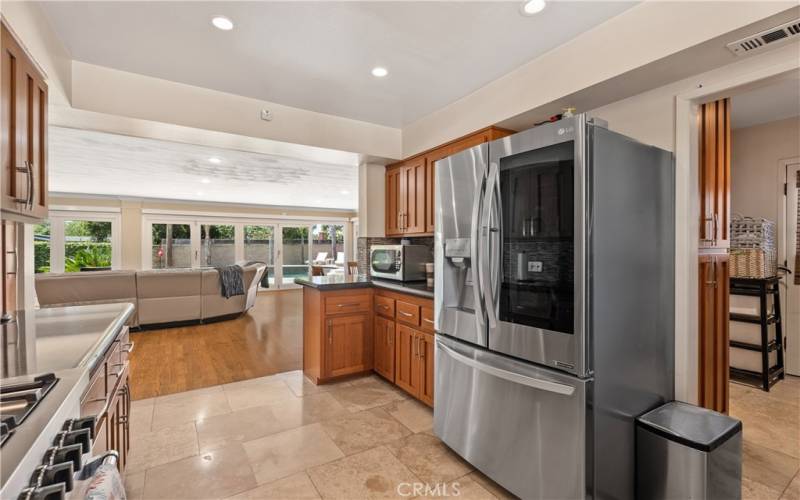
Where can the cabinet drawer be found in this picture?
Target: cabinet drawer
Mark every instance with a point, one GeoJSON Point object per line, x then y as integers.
{"type": "Point", "coordinates": [384, 306]}
{"type": "Point", "coordinates": [94, 399]}
{"type": "Point", "coordinates": [342, 304]}
{"type": "Point", "coordinates": [407, 313]}
{"type": "Point", "coordinates": [427, 320]}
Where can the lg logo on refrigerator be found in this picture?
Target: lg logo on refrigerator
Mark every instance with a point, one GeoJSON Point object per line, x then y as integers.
{"type": "Point", "coordinates": [567, 130]}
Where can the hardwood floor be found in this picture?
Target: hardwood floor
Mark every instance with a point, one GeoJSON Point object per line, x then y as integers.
{"type": "Point", "coordinates": [266, 340]}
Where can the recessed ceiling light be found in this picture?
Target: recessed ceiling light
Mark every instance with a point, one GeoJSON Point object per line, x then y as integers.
{"type": "Point", "coordinates": [379, 71]}
{"type": "Point", "coordinates": [222, 22]}
{"type": "Point", "coordinates": [215, 160]}
{"type": "Point", "coordinates": [344, 191]}
{"type": "Point", "coordinates": [200, 193]}
{"type": "Point", "coordinates": [531, 7]}
{"type": "Point", "coordinates": [205, 180]}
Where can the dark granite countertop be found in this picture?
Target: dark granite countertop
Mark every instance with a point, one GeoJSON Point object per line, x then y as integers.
{"type": "Point", "coordinates": [342, 282]}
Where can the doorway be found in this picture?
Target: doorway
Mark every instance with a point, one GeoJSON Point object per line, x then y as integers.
{"type": "Point", "coordinates": [790, 258]}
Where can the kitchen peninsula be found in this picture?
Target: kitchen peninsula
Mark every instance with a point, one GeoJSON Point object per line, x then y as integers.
{"type": "Point", "coordinates": [61, 365]}
{"type": "Point", "coordinates": [354, 325]}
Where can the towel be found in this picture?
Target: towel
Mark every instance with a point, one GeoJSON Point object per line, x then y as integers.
{"type": "Point", "coordinates": [231, 281]}
{"type": "Point", "coordinates": [99, 481]}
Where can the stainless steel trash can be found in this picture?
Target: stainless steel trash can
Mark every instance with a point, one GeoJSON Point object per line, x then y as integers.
{"type": "Point", "coordinates": [686, 452]}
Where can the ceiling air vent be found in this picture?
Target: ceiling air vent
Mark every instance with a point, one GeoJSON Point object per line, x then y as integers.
{"type": "Point", "coordinates": [773, 36]}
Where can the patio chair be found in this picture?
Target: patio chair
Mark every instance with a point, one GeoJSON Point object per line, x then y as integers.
{"type": "Point", "coordinates": [320, 259]}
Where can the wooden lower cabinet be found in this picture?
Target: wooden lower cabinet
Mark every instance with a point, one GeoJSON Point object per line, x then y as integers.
{"type": "Point", "coordinates": [714, 331]}
{"type": "Point", "coordinates": [414, 363]}
{"type": "Point", "coordinates": [406, 366]}
{"type": "Point", "coordinates": [337, 333]}
{"type": "Point", "coordinates": [383, 342]}
{"type": "Point", "coordinates": [108, 398]}
{"type": "Point", "coordinates": [347, 343]}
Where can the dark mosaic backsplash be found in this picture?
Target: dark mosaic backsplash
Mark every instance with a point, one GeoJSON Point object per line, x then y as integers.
{"type": "Point", "coordinates": [556, 258]}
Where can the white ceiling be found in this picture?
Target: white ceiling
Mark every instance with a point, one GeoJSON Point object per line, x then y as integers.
{"type": "Point", "coordinates": [88, 162]}
{"type": "Point", "coordinates": [318, 55]}
{"type": "Point", "coordinates": [774, 102]}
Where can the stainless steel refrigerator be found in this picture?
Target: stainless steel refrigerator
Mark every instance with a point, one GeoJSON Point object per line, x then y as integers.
{"type": "Point", "coordinates": [554, 301]}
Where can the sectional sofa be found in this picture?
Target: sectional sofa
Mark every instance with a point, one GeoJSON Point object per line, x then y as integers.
{"type": "Point", "coordinates": [161, 297]}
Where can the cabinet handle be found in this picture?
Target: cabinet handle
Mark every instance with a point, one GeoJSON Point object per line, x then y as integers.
{"type": "Point", "coordinates": [27, 172]}
{"type": "Point", "coordinates": [715, 228]}
{"type": "Point", "coordinates": [427, 320]}
{"type": "Point", "coordinates": [421, 349]}
{"type": "Point", "coordinates": [31, 185]}
{"type": "Point", "coordinates": [349, 304]}
{"type": "Point", "coordinates": [330, 334]}
{"type": "Point", "coordinates": [407, 315]}
{"type": "Point", "coordinates": [416, 346]}
{"type": "Point", "coordinates": [128, 347]}
{"type": "Point", "coordinates": [383, 306]}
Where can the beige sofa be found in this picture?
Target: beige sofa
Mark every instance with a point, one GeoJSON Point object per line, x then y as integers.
{"type": "Point", "coordinates": [160, 296]}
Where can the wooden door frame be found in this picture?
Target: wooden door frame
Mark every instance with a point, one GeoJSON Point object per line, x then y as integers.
{"type": "Point", "coordinates": [687, 210]}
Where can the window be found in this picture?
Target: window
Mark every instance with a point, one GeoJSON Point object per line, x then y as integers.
{"type": "Point", "coordinates": [87, 245]}
{"type": "Point", "coordinates": [171, 246]}
{"type": "Point", "coordinates": [41, 247]}
{"type": "Point", "coordinates": [217, 246]}
{"type": "Point", "coordinates": [295, 254]}
{"type": "Point", "coordinates": [76, 241]}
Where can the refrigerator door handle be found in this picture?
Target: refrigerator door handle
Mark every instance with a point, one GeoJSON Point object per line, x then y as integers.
{"type": "Point", "coordinates": [536, 383]}
{"type": "Point", "coordinates": [475, 257]}
{"type": "Point", "coordinates": [487, 262]}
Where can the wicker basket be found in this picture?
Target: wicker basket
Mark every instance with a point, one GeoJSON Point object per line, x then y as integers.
{"type": "Point", "coordinates": [753, 263]}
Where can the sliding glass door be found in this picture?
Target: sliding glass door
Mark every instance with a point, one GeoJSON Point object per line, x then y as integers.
{"type": "Point", "coordinates": [259, 245]}
{"type": "Point", "coordinates": [289, 250]}
{"type": "Point", "coordinates": [217, 246]}
{"type": "Point", "coordinates": [171, 246]}
{"type": "Point", "coordinates": [294, 254]}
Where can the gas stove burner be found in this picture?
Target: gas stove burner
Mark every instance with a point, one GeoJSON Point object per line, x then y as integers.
{"type": "Point", "coordinates": [17, 401]}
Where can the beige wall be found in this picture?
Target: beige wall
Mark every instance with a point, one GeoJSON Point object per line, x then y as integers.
{"type": "Point", "coordinates": [131, 211]}
{"type": "Point", "coordinates": [755, 152]}
{"type": "Point", "coordinates": [371, 200]}
{"type": "Point", "coordinates": [637, 37]}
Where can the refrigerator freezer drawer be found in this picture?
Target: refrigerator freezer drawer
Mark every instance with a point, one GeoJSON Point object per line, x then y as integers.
{"type": "Point", "coordinates": [522, 425]}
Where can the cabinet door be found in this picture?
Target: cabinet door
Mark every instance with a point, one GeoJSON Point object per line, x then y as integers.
{"type": "Point", "coordinates": [715, 174]}
{"type": "Point", "coordinates": [713, 329]}
{"type": "Point", "coordinates": [35, 137]}
{"type": "Point", "coordinates": [13, 182]}
{"type": "Point", "coordinates": [426, 373]}
{"type": "Point", "coordinates": [394, 215]}
{"type": "Point", "coordinates": [346, 349]}
{"type": "Point", "coordinates": [384, 347]}
{"type": "Point", "coordinates": [413, 196]}
{"type": "Point", "coordinates": [406, 374]}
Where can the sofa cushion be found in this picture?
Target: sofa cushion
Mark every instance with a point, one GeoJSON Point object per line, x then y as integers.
{"type": "Point", "coordinates": [168, 295]}
{"type": "Point", "coordinates": [98, 287]}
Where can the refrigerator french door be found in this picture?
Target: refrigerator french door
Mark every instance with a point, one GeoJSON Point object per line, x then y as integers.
{"type": "Point", "coordinates": [512, 247]}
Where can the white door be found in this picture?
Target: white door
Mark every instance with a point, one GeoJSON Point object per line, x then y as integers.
{"type": "Point", "coordinates": [790, 288]}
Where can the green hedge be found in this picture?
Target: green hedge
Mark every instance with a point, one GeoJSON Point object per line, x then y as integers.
{"type": "Point", "coordinates": [77, 254]}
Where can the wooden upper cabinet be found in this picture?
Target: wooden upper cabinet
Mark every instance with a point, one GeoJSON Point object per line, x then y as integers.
{"type": "Point", "coordinates": [23, 125]}
{"type": "Point", "coordinates": [413, 187]}
{"type": "Point", "coordinates": [715, 174]}
{"type": "Point", "coordinates": [411, 200]}
{"type": "Point", "coordinates": [393, 204]}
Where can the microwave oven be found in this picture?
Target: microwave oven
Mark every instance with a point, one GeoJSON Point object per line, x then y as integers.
{"type": "Point", "coordinates": [399, 262]}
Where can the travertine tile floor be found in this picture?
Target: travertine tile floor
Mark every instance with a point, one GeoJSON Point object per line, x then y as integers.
{"type": "Point", "coordinates": [281, 437]}
{"type": "Point", "coordinates": [771, 444]}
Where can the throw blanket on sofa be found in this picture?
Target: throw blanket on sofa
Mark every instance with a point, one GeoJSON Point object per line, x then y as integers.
{"type": "Point", "coordinates": [230, 281]}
